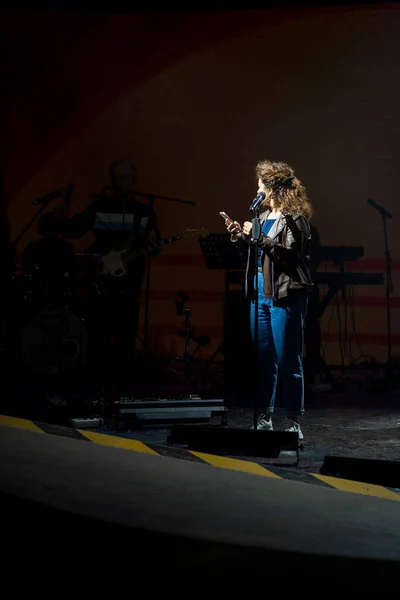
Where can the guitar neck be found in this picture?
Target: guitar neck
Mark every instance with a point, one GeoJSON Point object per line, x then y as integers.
{"type": "Point", "coordinates": [168, 240]}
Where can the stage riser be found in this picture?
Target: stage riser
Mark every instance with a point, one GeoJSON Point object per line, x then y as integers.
{"type": "Point", "coordinates": [234, 441]}
{"type": "Point", "coordinates": [171, 410]}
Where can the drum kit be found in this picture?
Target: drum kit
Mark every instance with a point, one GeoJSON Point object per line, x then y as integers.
{"type": "Point", "coordinates": [48, 308]}
{"type": "Point", "coordinates": [50, 301]}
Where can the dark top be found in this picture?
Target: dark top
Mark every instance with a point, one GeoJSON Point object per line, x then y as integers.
{"type": "Point", "coordinates": [267, 225]}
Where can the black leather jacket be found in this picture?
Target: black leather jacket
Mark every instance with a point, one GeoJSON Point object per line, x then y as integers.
{"type": "Point", "coordinates": [285, 257]}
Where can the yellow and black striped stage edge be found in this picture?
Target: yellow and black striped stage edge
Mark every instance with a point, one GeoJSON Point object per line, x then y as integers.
{"type": "Point", "coordinates": [222, 462]}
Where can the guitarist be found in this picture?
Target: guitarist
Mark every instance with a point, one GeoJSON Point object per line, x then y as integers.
{"type": "Point", "coordinates": [118, 222]}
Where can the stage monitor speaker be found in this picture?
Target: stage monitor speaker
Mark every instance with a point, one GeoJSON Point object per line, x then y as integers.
{"type": "Point", "coordinates": [378, 472]}
{"type": "Point", "coordinates": [234, 440]}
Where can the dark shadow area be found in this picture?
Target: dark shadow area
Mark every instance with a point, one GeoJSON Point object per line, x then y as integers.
{"type": "Point", "coordinates": [68, 552]}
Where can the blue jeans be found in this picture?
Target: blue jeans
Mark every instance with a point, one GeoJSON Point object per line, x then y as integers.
{"type": "Point", "coordinates": [280, 347]}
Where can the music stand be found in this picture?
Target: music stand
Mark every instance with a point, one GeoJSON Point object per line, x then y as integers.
{"type": "Point", "coordinates": [220, 253]}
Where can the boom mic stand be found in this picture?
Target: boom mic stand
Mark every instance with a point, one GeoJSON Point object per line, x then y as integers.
{"type": "Point", "coordinates": [253, 243]}
{"type": "Point", "coordinates": [43, 202]}
{"type": "Point", "coordinates": [151, 199]}
{"type": "Point", "coordinates": [389, 285]}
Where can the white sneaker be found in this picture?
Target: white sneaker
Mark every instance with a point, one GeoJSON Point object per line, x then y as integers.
{"type": "Point", "coordinates": [264, 424]}
{"type": "Point", "coordinates": [295, 427]}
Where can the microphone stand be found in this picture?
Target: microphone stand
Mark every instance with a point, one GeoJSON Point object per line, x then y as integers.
{"type": "Point", "coordinates": [145, 346]}
{"type": "Point", "coordinates": [256, 233]}
{"type": "Point", "coordinates": [389, 284]}
{"type": "Point", "coordinates": [44, 202]}
{"type": "Point", "coordinates": [15, 242]}
{"type": "Point", "coordinates": [389, 289]}
{"type": "Point", "coordinates": [151, 199]}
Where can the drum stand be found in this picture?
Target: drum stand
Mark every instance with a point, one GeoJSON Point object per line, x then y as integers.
{"type": "Point", "coordinates": [145, 346]}
{"type": "Point", "coordinates": [67, 343]}
{"type": "Point", "coordinates": [186, 357]}
{"type": "Point", "coordinates": [192, 366]}
{"type": "Point", "coordinates": [62, 326]}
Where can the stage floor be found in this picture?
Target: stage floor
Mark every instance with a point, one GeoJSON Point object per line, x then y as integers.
{"type": "Point", "coordinates": [360, 419]}
{"type": "Point", "coordinates": [370, 430]}
{"type": "Point", "coordinates": [332, 428]}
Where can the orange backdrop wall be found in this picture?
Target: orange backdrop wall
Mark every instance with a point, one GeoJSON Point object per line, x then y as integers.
{"type": "Point", "coordinates": [196, 101]}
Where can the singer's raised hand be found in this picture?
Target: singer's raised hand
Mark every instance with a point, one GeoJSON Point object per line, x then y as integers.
{"type": "Point", "coordinates": [234, 228]}
{"type": "Point", "coordinates": [247, 228]}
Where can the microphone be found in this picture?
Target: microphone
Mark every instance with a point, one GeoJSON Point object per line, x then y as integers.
{"type": "Point", "coordinates": [49, 197]}
{"type": "Point", "coordinates": [379, 208]}
{"type": "Point", "coordinates": [257, 201]}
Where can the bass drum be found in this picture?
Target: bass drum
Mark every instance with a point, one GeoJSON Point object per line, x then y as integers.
{"type": "Point", "coordinates": [55, 341]}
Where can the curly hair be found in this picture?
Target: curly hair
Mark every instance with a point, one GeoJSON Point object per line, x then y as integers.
{"type": "Point", "coordinates": [287, 190]}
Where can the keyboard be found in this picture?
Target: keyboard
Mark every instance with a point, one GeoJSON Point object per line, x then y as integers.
{"type": "Point", "coordinates": [340, 254]}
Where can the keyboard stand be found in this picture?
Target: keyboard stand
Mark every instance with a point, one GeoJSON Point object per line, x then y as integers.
{"type": "Point", "coordinates": [327, 299]}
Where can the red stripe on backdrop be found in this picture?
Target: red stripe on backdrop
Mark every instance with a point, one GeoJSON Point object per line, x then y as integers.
{"type": "Point", "coordinates": [364, 339]}
{"type": "Point", "coordinates": [179, 260]}
{"type": "Point", "coordinates": [371, 301]}
{"type": "Point", "coordinates": [375, 264]}
{"type": "Point", "coordinates": [363, 264]}
{"type": "Point", "coordinates": [218, 296]}
{"type": "Point", "coordinates": [216, 332]}
{"type": "Point", "coordinates": [197, 260]}
{"type": "Point", "coordinates": [194, 295]}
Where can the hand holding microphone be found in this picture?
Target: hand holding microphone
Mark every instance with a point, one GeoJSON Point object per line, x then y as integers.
{"type": "Point", "coordinates": [247, 228]}
{"type": "Point", "coordinates": [235, 229]}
